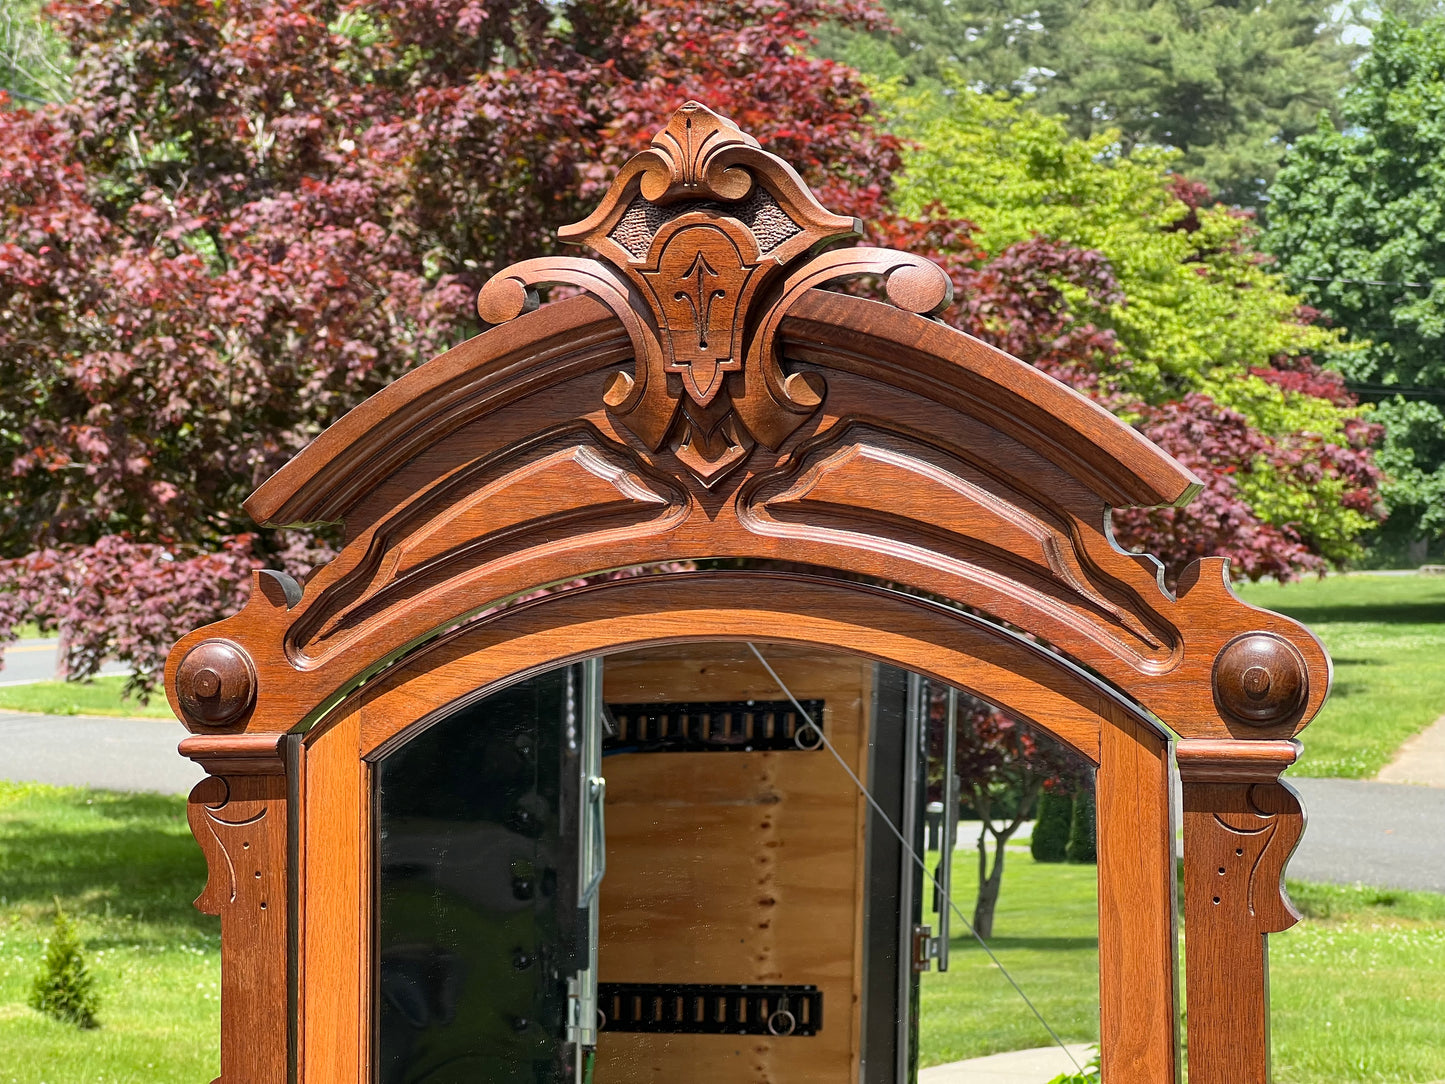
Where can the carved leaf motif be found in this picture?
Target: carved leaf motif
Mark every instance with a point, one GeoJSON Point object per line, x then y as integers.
{"type": "Point", "coordinates": [698, 287]}
{"type": "Point", "coordinates": [690, 153]}
{"type": "Point", "coordinates": [700, 225]}
{"type": "Point", "coordinates": [1268, 834]}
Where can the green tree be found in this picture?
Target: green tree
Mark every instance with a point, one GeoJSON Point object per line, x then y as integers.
{"type": "Point", "coordinates": [34, 63]}
{"type": "Point", "coordinates": [1226, 84]}
{"type": "Point", "coordinates": [1358, 222]}
{"type": "Point", "coordinates": [1200, 312]}
{"type": "Point", "coordinates": [1083, 845]}
{"type": "Point", "coordinates": [1050, 842]}
{"type": "Point", "coordinates": [995, 45]}
{"type": "Point", "coordinates": [64, 988]}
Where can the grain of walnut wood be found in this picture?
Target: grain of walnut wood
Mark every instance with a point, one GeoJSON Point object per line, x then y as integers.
{"type": "Point", "coordinates": [1240, 826]}
{"type": "Point", "coordinates": [708, 399]}
{"type": "Point", "coordinates": [239, 815]}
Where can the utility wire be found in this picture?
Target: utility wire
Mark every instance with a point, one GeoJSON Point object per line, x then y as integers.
{"type": "Point", "coordinates": [1364, 282]}
{"type": "Point", "coordinates": [27, 97]}
{"type": "Point", "coordinates": [908, 849]}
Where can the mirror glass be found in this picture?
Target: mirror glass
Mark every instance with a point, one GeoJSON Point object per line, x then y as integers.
{"type": "Point", "coordinates": [719, 861]}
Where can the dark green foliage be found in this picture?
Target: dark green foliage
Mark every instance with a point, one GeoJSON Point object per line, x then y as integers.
{"type": "Point", "coordinates": [63, 988]}
{"type": "Point", "coordinates": [1083, 844]}
{"type": "Point", "coordinates": [1051, 832]}
{"type": "Point", "coordinates": [997, 45]}
{"type": "Point", "coordinates": [1229, 85]}
{"type": "Point", "coordinates": [1357, 217]}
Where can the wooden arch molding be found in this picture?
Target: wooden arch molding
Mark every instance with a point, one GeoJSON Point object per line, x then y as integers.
{"type": "Point", "coordinates": [707, 399]}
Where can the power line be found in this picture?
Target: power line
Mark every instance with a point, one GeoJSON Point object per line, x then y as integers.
{"type": "Point", "coordinates": [908, 849]}
{"type": "Point", "coordinates": [27, 97]}
{"type": "Point", "coordinates": [1365, 282]}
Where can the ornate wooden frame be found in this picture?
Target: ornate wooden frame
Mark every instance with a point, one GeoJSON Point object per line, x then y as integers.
{"type": "Point", "coordinates": [705, 399]}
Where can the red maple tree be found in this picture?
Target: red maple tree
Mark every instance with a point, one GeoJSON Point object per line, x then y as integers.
{"type": "Point", "coordinates": [250, 216]}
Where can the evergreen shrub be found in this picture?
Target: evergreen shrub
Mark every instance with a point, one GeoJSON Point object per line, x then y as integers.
{"type": "Point", "coordinates": [1083, 847]}
{"type": "Point", "coordinates": [63, 988]}
{"type": "Point", "coordinates": [1051, 831]}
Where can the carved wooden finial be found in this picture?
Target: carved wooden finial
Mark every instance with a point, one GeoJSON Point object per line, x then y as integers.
{"type": "Point", "coordinates": [693, 232]}
{"type": "Point", "coordinates": [215, 683]}
{"type": "Point", "coordinates": [1260, 679]}
{"type": "Point", "coordinates": [693, 148]}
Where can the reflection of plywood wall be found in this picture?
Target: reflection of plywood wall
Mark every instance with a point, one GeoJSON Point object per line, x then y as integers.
{"type": "Point", "coordinates": [737, 867]}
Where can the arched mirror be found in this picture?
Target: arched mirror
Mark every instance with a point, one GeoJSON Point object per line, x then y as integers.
{"type": "Point", "coordinates": [604, 748]}
{"type": "Point", "coordinates": [704, 853]}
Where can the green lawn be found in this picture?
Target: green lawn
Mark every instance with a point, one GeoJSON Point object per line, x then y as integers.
{"type": "Point", "coordinates": [1387, 637]}
{"type": "Point", "coordinates": [124, 866]}
{"type": "Point", "coordinates": [100, 696]}
{"type": "Point", "coordinates": [1046, 934]}
{"type": "Point", "coordinates": [1357, 988]}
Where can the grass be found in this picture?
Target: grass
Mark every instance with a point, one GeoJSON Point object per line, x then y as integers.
{"type": "Point", "coordinates": [1046, 933]}
{"type": "Point", "coordinates": [1387, 637]}
{"type": "Point", "coordinates": [1357, 988]}
{"type": "Point", "coordinates": [125, 868]}
{"type": "Point", "coordinates": [99, 696]}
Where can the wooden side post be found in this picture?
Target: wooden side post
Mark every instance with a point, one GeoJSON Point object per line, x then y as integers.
{"type": "Point", "coordinates": [1241, 823]}
{"type": "Point", "coordinates": [239, 816]}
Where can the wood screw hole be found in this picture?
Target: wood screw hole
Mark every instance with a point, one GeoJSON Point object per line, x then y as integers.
{"type": "Point", "coordinates": [1216, 899]}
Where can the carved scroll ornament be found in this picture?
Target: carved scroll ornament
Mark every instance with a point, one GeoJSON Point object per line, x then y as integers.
{"type": "Point", "coordinates": [703, 240]}
{"type": "Point", "coordinates": [1241, 824]}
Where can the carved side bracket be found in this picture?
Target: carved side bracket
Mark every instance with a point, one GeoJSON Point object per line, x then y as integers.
{"type": "Point", "coordinates": [1241, 824]}
{"type": "Point", "coordinates": [239, 816]}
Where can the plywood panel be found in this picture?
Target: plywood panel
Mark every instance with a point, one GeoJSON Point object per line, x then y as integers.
{"type": "Point", "coordinates": [737, 867]}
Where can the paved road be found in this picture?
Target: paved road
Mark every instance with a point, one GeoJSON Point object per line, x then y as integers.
{"type": "Point", "coordinates": [1387, 834]}
{"type": "Point", "coordinates": [75, 750]}
{"type": "Point", "coordinates": [34, 660]}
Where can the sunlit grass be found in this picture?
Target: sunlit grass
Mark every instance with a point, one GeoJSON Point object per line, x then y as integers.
{"type": "Point", "coordinates": [125, 867]}
{"type": "Point", "coordinates": [1357, 988]}
{"type": "Point", "coordinates": [1387, 637]}
{"type": "Point", "coordinates": [1046, 934]}
{"type": "Point", "coordinates": [100, 696]}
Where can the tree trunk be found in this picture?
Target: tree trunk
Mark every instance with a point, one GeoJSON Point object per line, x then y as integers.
{"type": "Point", "coordinates": [988, 885]}
{"type": "Point", "coordinates": [62, 654]}
{"type": "Point", "coordinates": [990, 879]}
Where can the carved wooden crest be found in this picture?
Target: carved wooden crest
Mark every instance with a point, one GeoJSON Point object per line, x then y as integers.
{"type": "Point", "coordinates": [704, 242]}
{"type": "Point", "coordinates": [903, 491]}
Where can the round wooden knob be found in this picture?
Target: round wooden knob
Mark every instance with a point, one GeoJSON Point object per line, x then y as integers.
{"type": "Point", "coordinates": [216, 682]}
{"type": "Point", "coordinates": [1260, 679]}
